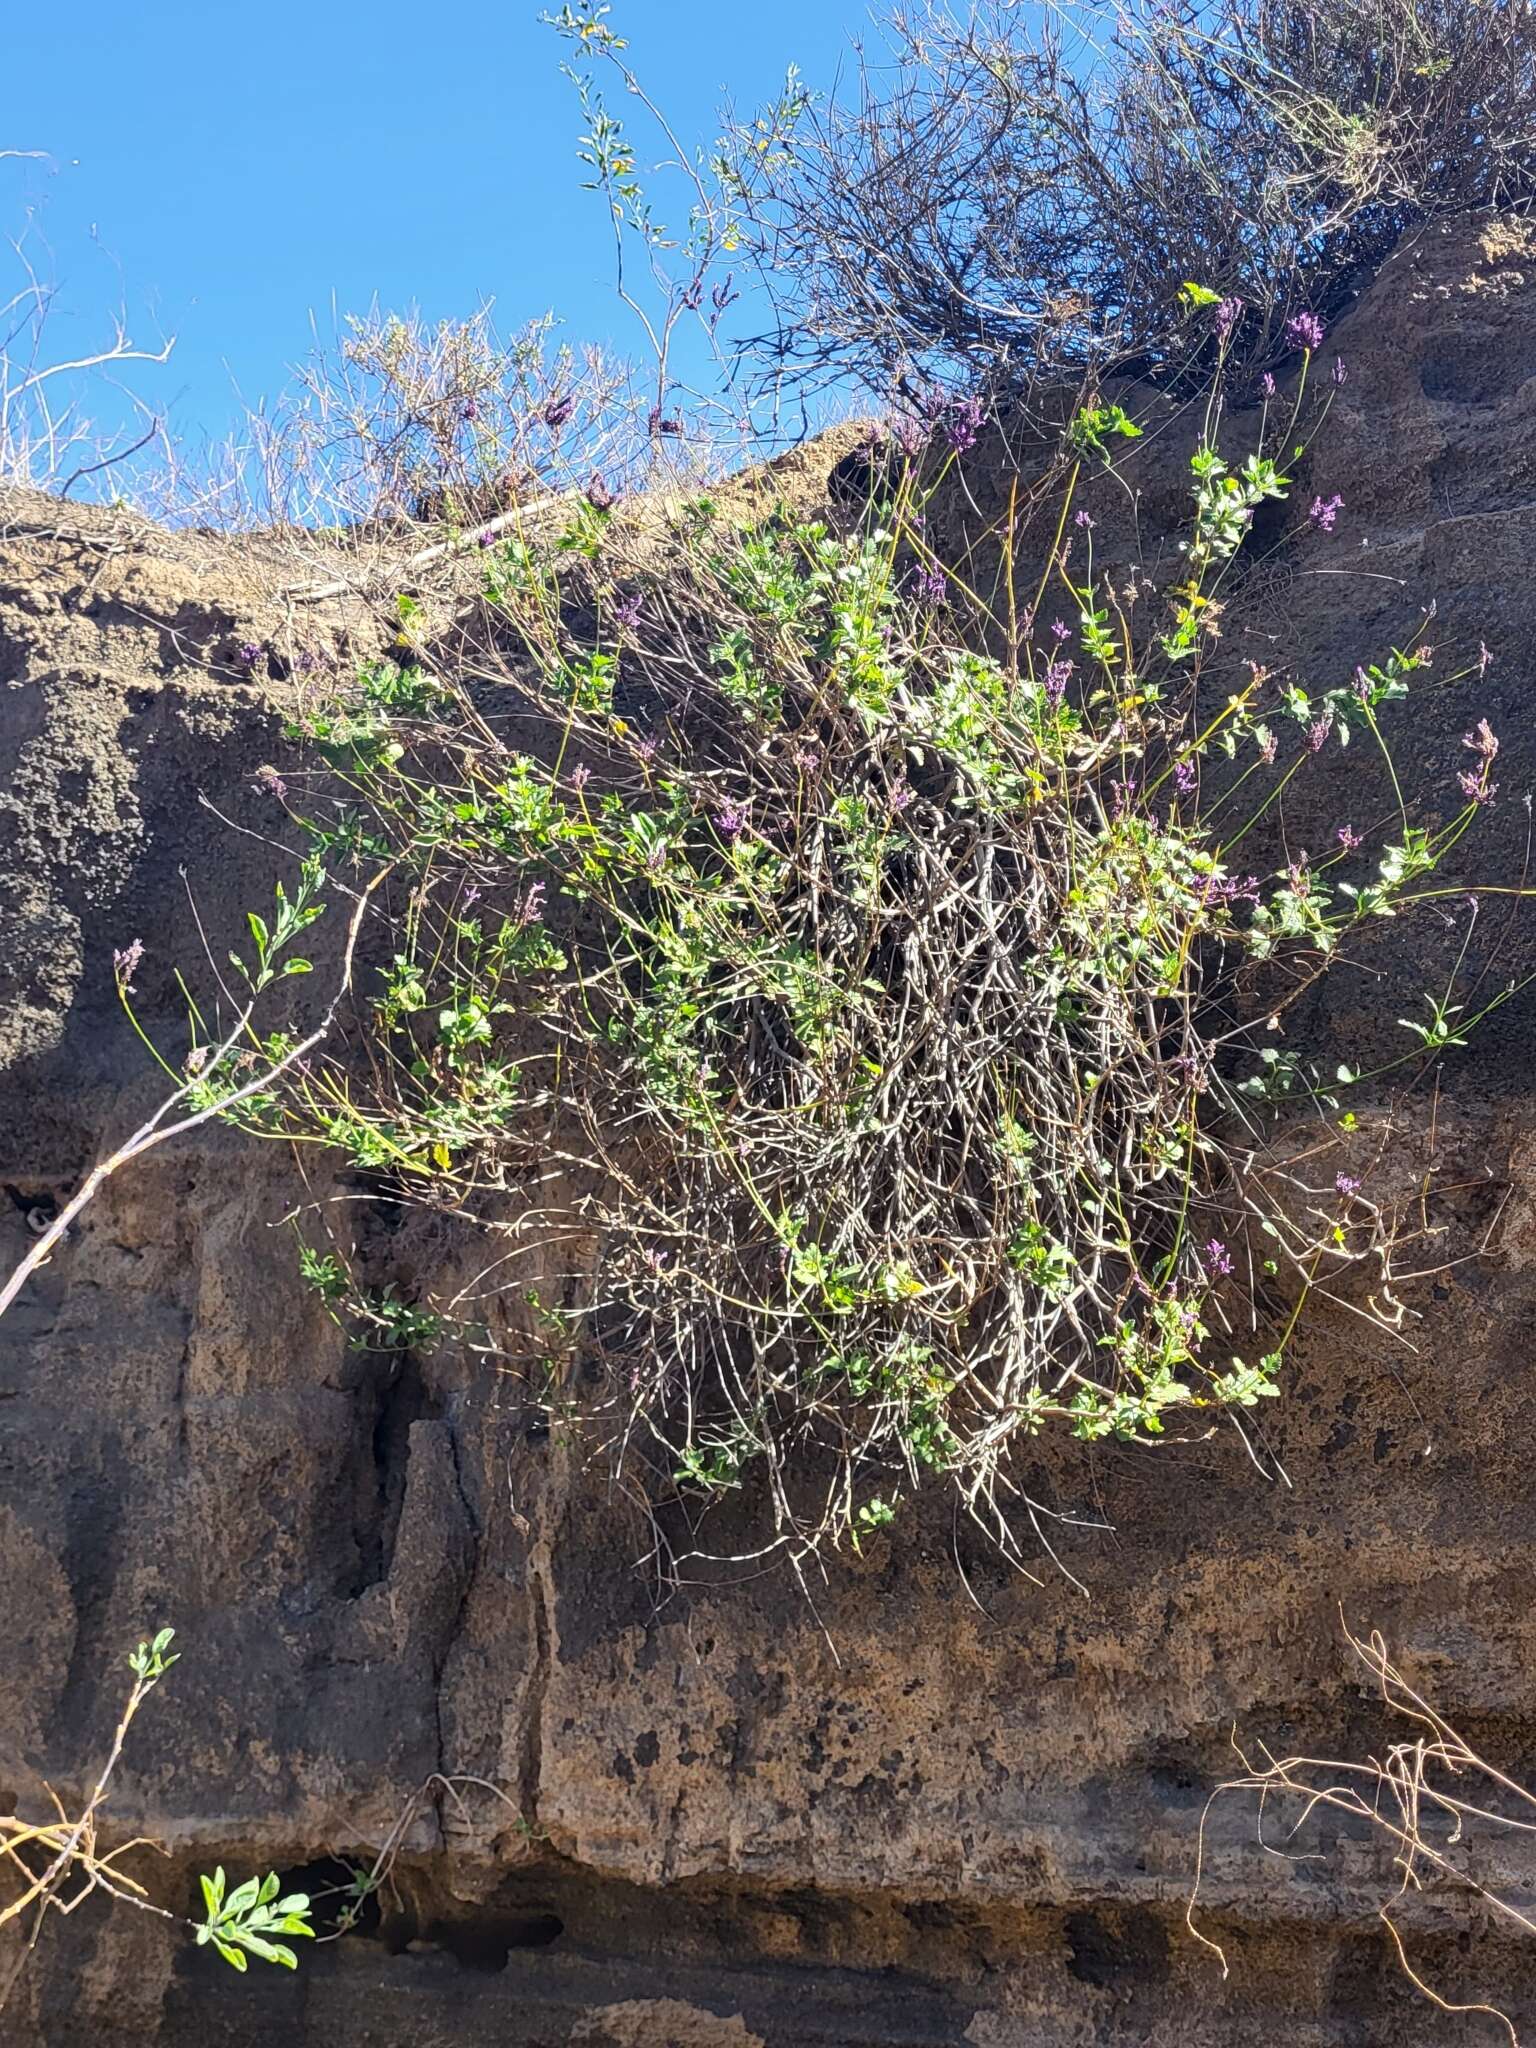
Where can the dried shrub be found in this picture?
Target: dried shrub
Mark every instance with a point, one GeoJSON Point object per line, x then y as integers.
{"type": "Point", "coordinates": [1004, 199]}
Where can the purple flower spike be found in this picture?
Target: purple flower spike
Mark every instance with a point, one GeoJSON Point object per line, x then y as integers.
{"type": "Point", "coordinates": [1349, 838]}
{"type": "Point", "coordinates": [125, 964]}
{"type": "Point", "coordinates": [1347, 1184]}
{"type": "Point", "coordinates": [963, 423]}
{"type": "Point", "coordinates": [1218, 1260]}
{"type": "Point", "coordinates": [1325, 512]}
{"type": "Point", "coordinates": [732, 819]}
{"type": "Point", "coordinates": [1267, 385]}
{"type": "Point", "coordinates": [1304, 330]}
{"type": "Point", "coordinates": [1227, 315]}
{"type": "Point", "coordinates": [1483, 741]}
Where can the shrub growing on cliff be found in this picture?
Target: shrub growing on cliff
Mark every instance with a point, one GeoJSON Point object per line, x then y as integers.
{"type": "Point", "coordinates": [1011, 198]}
{"type": "Point", "coordinates": [878, 976]}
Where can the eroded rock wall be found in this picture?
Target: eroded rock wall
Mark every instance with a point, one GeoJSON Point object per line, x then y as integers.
{"type": "Point", "coordinates": [922, 1800]}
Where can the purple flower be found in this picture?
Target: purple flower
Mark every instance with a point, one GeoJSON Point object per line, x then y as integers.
{"type": "Point", "coordinates": [471, 895]}
{"type": "Point", "coordinates": [1318, 731]}
{"type": "Point", "coordinates": [125, 964]}
{"type": "Point", "coordinates": [531, 909]}
{"type": "Point", "coordinates": [1058, 629]}
{"type": "Point", "coordinates": [580, 776]}
{"type": "Point", "coordinates": [1218, 1260]}
{"type": "Point", "coordinates": [1184, 777]}
{"type": "Point", "coordinates": [902, 794]}
{"type": "Point", "coordinates": [1482, 742]}
{"type": "Point", "coordinates": [1325, 511]}
{"type": "Point", "coordinates": [1081, 518]}
{"type": "Point", "coordinates": [1227, 315]}
{"type": "Point", "coordinates": [1348, 1184]}
{"type": "Point", "coordinates": [1229, 889]}
{"type": "Point", "coordinates": [732, 819]}
{"type": "Point", "coordinates": [1476, 785]}
{"type": "Point", "coordinates": [722, 295]}
{"type": "Point", "coordinates": [1056, 678]}
{"type": "Point", "coordinates": [1340, 370]}
{"type": "Point", "coordinates": [1299, 877]}
{"type": "Point", "coordinates": [1362, 685]}
{"type": "Point", "coordinates": [909, 435]}
{"type": "Point", "coordinates": [1484, 658]}
{"type": "Point", "coordinates": [469, 410]}
{"type": "Point", "coordinates": [599, 497]}
{"type": "Point", "coordinates": [627, 611]}
{"type": "Point", "coordinates": [486, 538]}
{"type": "Point", "coordinates": [1125, 794]}
{"type": "Point", "coordinates": [269, 783]}
{"type": "Point", "coordinates": [248, 653]}
{"type": "Point", "coordinates": [963, 419]}
{"type": "Point", "coordinates": [645, 749]}
{"type": "Point", "coordinates": [558, 411]}
{"type": "Point", "coordinates": [1304, 330]}
{"type": "Point", "coordinates": [1267, 385]}
{"type": "Point", "coordinates": [1268, 748]}
{"type": "Point", "coordinates": [1349, 838]}
{"type": "Point", "coordinates": [929, 584]}
{"type": "Point", "coordinates": [807, 759]}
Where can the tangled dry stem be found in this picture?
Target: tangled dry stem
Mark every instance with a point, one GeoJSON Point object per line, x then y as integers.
{"type": "Point", "coordinates": [1432, 1799]}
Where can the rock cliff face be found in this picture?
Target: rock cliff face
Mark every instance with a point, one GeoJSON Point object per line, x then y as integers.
{"type": "Point", "coordinates": [931, 1802]}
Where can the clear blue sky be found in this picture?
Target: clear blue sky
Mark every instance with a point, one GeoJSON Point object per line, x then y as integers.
{"type": "Point", "coordinates": [225, 169]}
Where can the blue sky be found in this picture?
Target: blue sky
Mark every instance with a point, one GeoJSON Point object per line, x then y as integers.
{"type": "Point", "coordinates": [224, 171]}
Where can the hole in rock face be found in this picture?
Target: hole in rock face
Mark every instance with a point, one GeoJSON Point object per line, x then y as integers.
{"type": "Point", "coordinates": [338, 1903]}
{"type": "Point", "coordinates": [487, 1941]}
